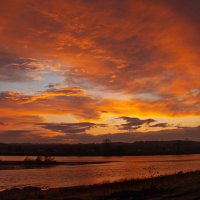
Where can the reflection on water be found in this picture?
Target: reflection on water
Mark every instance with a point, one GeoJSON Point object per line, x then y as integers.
{"type": "Point", "coordinates": [127, 168]}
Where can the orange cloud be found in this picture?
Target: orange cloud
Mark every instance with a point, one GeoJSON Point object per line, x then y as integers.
{"type": "Point", "coordinates": [59, 102]}
{"type": "Point", "coordinates": [145, 51]}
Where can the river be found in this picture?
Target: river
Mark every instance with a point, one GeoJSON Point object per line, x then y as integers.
{"type": "Point", "coordinates": [126, 167]}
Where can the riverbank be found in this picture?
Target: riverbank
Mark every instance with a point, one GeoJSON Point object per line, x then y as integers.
{"type": "Point", "coordinates": [178, 186]}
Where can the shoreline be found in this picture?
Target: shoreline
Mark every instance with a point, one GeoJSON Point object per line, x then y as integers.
{"type": "Point", "coordinates": [176, 186]}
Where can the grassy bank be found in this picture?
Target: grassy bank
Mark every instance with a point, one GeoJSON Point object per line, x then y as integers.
{"type": "Point", "coordinates": [178, 186]}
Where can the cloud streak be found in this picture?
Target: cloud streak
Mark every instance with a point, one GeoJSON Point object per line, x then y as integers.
{"type": "Point", "coordinates": [68, 127]}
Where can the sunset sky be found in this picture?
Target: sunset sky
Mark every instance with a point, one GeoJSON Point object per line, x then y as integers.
{"type": "Point", "coordinates": [76, 71]}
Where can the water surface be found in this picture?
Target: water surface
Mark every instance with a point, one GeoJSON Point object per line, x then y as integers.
{"type": "Point", "coordinates": [127, 167]}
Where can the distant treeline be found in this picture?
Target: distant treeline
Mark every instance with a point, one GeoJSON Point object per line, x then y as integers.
{"type": "Point", "coordinates": [104, 149]}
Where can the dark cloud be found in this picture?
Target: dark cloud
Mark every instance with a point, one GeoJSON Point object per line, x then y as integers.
{"type": "Point", "coordinates": [14, 68]}
{"type": "Point", "coordinates": [53, 85]}
{"type": "Point", "coordinates": [188, 9]}
{"type": "Point", "coordinates": [161, 125]}
{"type": "Point", "coordinates": [134, 123]}
{"type": "Point", "coordinates": [8, 97]}
{"type": "Point", "coordinates": [29, 136]}
{"type": "Point", "coordinates": [191, 133]}
{"type": "Point", "coordinates": [14, 133]}
{"type": "Point", "coordinates": [69, 91]}
{"type": "Point", "coordinates": [14, 121]}
{"type": "Point", "coordinates": [68, 127]}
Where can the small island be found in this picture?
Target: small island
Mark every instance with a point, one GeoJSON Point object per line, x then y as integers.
{"type": "Point", "coordinates": [41, 162]}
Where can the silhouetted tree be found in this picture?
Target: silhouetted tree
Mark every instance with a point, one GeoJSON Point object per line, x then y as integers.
{"type": "Point", "coordinates": [106, 141]}
{"type": "Point", "coordinates": [39, 159]}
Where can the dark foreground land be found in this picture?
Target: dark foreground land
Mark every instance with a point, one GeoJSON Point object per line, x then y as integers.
{"type": "Point", "coordinates": [178, 187]}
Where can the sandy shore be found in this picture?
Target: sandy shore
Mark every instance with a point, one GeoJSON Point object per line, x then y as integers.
{"type": "Point", "coordinates": [179, 186]}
